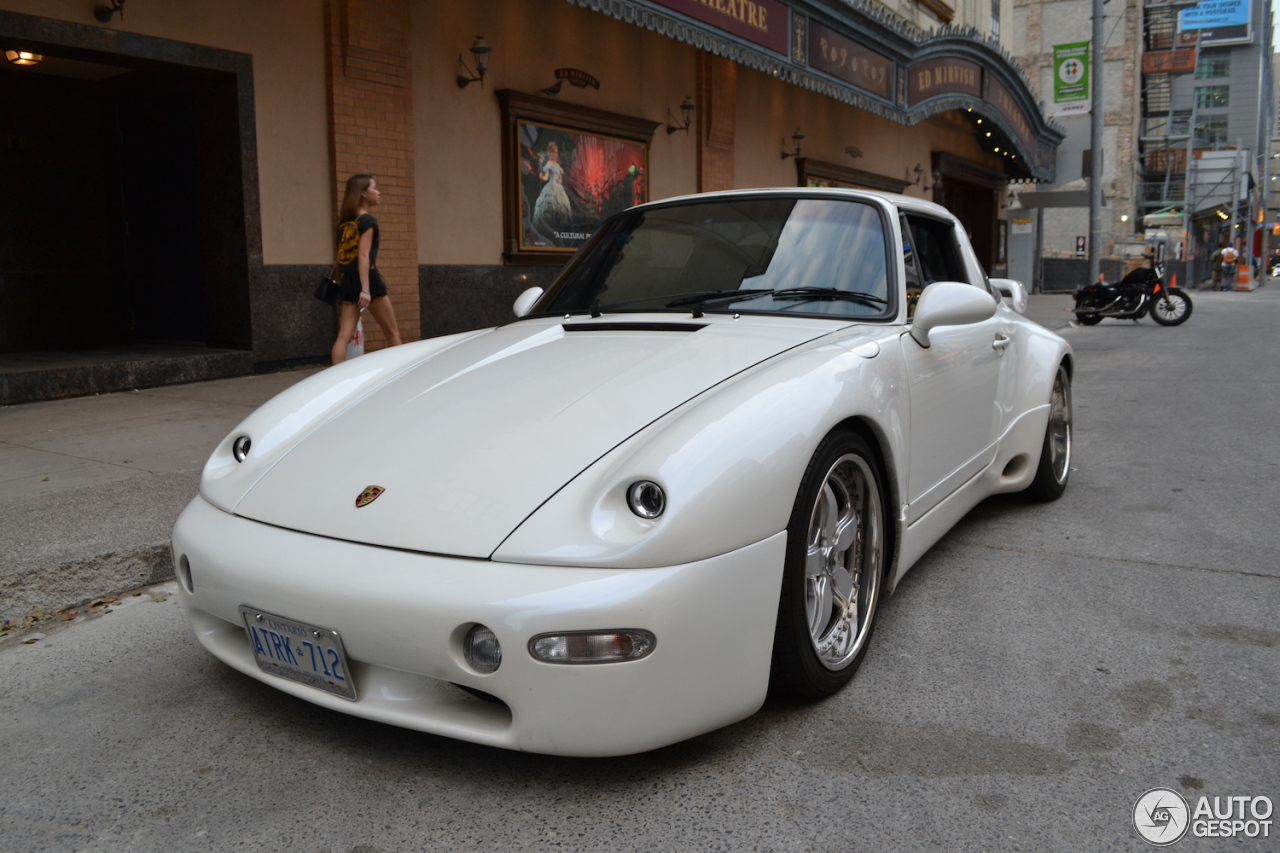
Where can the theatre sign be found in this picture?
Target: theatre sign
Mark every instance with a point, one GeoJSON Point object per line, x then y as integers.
{"type": "Point", "coordinates": [862, 55]}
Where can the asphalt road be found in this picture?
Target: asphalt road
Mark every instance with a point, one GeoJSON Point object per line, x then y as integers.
{"type": "Point", "coordinates": [1039, 669]}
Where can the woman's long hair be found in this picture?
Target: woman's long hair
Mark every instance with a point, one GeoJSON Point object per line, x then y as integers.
{"type": "Point", "coordinates": [356, 185]}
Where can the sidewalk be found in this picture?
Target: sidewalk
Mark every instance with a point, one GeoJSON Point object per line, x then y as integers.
{"type": "Point", "coordinates": [90, 487]}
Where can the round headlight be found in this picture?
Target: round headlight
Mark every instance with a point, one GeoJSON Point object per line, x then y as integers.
{"type": "Point", "coordinates": [646, 499]}
{"type": "Point", "coordinates": [240, 447]}
{"type": "Point", "coordinates": [482, 649]}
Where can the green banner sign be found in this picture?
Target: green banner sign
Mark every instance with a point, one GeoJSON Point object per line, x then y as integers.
{"type": "Point", "coordinates": [1071, 78]}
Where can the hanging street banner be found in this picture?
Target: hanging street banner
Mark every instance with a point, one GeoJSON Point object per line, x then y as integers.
{"type": "Point", "coordinates": [1070, 79]}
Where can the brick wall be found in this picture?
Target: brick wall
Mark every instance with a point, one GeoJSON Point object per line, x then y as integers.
{"type": "Point", "coordinates": [371, 130]}
{"type": "Point", "coordinates": [717, 116]}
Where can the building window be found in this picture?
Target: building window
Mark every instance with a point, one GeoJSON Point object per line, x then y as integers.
{"type": "Point", "coordinates": [1213, 65]}
{"type": "Point", "coordinates": [1160, 27]}
{"type": "Point", "coordinates": [1212, 133]}
{"type": "Point", "coordinates": [1157, 95]}
{"type": "Point", "coordinates": [995, 18]}
{"type": "Point", "coordinates": [1208, 97]}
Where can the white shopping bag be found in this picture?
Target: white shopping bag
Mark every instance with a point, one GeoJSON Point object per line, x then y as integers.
{"type": "Point", "coordinates": [356, 346]}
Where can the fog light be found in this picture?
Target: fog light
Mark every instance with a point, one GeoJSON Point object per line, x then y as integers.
{"type": "Point", "coordinates": [646, 499]}
{"type": "Point", "coordinates": [482, 649]}
{"type": "Point", "coordinates": [592, 646]}
{"type": "Point", "coordinates": [240, 448]}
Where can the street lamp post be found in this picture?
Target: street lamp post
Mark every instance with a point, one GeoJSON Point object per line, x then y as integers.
{"type": "Point", "coordinates": [1097, 54]}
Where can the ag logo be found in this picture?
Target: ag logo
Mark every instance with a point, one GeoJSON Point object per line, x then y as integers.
{"type": "Point", "coordinates": [1161, 816]}
{"type": "Point", "coordinates": [369, 495]}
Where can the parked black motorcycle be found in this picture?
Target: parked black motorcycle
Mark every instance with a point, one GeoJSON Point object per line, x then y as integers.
{"type": "Point", "coordinates": [1139, 292]}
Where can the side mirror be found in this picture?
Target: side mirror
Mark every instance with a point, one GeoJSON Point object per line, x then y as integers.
{"type": "Point", "coordinates": [1014, 292]}
{"type": "Point", "coordinates": [950, 303]}
{"type": "Point", "coordinates": [524, 302]}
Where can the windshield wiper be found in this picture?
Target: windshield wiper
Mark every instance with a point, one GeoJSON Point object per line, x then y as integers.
{"type": "Point", "coordinates": [707, 297]}
{"type": "Point", "coordinates": [699, 300]}
{"type": "Point", "coordinates": [828, 293]}
{"type": "Point", "coordinates": [683, 299]}
{"type": "Point", "coordinates": [715, 296]}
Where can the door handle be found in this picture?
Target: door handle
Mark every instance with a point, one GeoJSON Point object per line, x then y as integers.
{"type": "Point", "coordinates": [1000, 343]}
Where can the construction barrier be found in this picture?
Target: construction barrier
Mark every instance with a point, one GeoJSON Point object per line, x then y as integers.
{"type": "Point", "coordinates": [1244, 278]}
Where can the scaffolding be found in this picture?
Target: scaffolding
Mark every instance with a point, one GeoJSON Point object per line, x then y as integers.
{"type": "Point", "coordinates": [1167, 140]}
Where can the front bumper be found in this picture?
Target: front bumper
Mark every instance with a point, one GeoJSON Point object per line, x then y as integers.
{"type": "Point", "coordinates": [402, 617]}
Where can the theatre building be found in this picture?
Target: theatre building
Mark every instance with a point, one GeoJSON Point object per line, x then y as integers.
{"type": "Point", "coordinates": [173, 170]}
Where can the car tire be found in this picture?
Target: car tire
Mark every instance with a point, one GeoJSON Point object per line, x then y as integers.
{"type": "Point", "coordinates": [837, 551]}
{"type": "Point", "coordinates": [1055, 452]}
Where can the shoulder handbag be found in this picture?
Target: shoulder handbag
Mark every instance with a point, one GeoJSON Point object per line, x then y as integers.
{"type": "Point", "coordinates": [327, 290]}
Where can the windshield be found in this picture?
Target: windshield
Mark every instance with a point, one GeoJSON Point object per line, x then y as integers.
{"type": "Point", "coordinates": [777, 255]}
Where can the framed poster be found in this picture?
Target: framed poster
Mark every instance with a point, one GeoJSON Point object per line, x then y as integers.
{"type": "Point", "coordinates": [565, 170]}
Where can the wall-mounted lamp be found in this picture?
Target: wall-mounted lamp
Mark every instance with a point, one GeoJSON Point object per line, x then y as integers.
{"type": "Point", "coordinates": [480, 50]}
{"type": "Point", "coordinates": [919, 173]}
{"type": "Point", "coordinates": [687, 107]}
{"type": "Point", "coordinates": [104, 12]}
{"type": "Point", "coordinates": [23, 57]}
{"type": "Point", "coordinates": [797, 140]}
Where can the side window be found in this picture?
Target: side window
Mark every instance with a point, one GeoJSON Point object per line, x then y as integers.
{"type": "Point", "coordinates": [911, 265]}
{"type": "Point", "coordinates": [936, 253]}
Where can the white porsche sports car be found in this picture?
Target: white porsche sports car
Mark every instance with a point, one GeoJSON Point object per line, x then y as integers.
{"type": "Point", "coordinates": [689, 471]}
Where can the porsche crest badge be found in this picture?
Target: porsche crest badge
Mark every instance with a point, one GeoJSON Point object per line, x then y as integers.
{"type": "Point", "coordinates": [368, 496]}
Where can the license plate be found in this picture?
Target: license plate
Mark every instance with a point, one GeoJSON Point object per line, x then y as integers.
{"type": "Point", "coordinates": [307, 654]}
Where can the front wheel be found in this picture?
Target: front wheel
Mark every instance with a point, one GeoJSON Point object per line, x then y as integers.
{"type": "Point", "coordinates": [1055, 453]}
{"type": "Point", "coordinates": [836, 554]}
{"type": "Point", "coordinates": [1171, 309]}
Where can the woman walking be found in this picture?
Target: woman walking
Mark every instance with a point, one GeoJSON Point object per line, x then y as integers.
{"type": "Point", "coordinates": [360, 282]}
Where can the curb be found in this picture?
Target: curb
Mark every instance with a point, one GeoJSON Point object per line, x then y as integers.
{"type": "Point", "coordinates": [65, 584]}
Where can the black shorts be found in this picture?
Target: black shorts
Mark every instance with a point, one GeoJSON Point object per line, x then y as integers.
{"type": "Point", "coordinates": [350, 283]}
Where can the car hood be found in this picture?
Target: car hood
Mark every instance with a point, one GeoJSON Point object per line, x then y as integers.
{"type": "Point", "coordinates": [468, 443]}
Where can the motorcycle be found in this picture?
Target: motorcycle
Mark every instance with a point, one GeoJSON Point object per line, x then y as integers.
{"type": "Point", "coordinates": [1141, 291]}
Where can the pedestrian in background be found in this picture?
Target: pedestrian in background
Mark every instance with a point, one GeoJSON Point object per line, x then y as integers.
{"type": "Point", "coordinates": [360, 284]}
{"type": "Point", "coordinates": [1215, 268]}
{"type": "Point", "coordinates": [1229, 257]}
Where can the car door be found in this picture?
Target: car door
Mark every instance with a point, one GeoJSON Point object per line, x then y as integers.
{"type": "Point", "coordinates": [954, 383]}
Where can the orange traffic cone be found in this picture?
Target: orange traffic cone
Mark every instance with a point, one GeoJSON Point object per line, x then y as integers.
{"type": "Point", "coordinates": [1173, 279]}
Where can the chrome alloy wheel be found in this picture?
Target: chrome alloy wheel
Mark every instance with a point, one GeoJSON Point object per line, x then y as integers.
{"type": "Point", "coordinates": [843, 561]}
{"type": "Point", "coordinates": [1060, 426]}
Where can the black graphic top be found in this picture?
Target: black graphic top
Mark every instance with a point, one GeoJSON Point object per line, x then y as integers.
{"type": "Point", "coordinates": [349, 234]}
